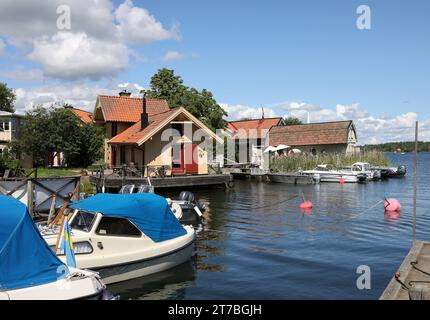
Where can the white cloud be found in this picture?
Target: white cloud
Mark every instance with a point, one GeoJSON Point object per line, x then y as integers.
{"type": "Point", "coordinates": [137, 25]}
{"type": "Point", "coordinates": [96, 45]}
{"type": "Point", "coordinates": [370, 129]}
{"type": "Point", "coordinates": [134, 88]}
{"type": "Point", "coordinates": [79, 95]}
{"type": "Point", "coordinates": [238, 111]}
{"type": "Point", "coordinates": [173, 55]}
{"type": "Point", "coordinates": [22, 74]}
{"type": "Point", "coordinates": [71, 56]}
{"type": "Point", "coordinates": [25, 20]}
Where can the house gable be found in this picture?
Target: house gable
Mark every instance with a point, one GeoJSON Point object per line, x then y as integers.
{"type": "Point", "coordinates": [135, 135]}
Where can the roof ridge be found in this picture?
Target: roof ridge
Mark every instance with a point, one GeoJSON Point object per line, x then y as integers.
{"type": "Point", "coordinates": [272, 118]}
{"type": "Point", "coordinates": [131, 98]}
{"type": "Point", "coordinates": [74, 108]}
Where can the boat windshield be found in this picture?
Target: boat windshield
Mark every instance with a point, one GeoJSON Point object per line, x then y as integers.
{"type": "Point", "coordinates": [83, 221]}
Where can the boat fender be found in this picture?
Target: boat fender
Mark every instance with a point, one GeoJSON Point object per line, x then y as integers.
{"type": "Point", "coordinates": [306, 205]}
{"type": "Point", "coordinates": [177, 210]}
{"type": "Point", "coordinates": [392, 205]}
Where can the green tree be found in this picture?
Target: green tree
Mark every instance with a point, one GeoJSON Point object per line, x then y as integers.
{"type": "Point", "coordinates": [89, 142]}
{"type": "Point", "coordinates": [166, 85]}
{"type": "Point", "coordinates": [7, 98]}
{"type": "Point", "coordinates": [46, 131]}
{"type": "Point", "coordinates": [291, 121]}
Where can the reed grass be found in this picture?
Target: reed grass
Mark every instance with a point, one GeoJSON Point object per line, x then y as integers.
{"type": "Point", "coordinates": [309, 162]}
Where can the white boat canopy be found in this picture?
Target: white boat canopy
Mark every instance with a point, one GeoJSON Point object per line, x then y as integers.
{"type": "Point", "coordinates": [282, 147]}
{"type": "Point", "coordinates": [269, 149]}
{"type": "Point", "coordinates": [277, 148]}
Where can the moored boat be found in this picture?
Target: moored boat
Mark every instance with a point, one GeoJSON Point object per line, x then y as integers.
{"type": "Point", "coordinates": [364, 168]}
{"type": "Point", "coordinates": [294, 178]}
{"type": "Point", "coordinates": [328, 174]}
{"type": "Point", "coordinates": [393, 172]}
{"type": "Point", "coordinates": [29, 269]}
{"type": "Point", "coordinates": [126, 236]}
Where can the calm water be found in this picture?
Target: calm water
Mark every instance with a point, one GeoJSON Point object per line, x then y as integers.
{"type": "Point", "coordinates": [257, 246]}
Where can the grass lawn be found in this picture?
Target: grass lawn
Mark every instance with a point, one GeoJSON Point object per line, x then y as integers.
{"type": "Point", "coordinates": [55, 172]}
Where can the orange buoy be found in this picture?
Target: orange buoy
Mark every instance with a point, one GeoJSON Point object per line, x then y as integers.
{"type": "Point", "coordinates": [342, 181]}
{"type": "Point", "coordinates": [306, 205]}
{"type": "Point", "coordinates": [392, 205]}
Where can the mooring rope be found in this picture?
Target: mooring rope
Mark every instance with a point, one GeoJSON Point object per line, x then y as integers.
{"type": "Point", "coordinates": [276, 203]}
{"type": "Point", "coordinates": [364, 211]}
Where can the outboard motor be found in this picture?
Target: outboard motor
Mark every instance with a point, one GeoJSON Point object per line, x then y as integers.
{"type": "Point", "coordinates": [401, 170]}
{"type": "Point", "coordinates": [362, 177]}
{"type": "Point", "coordinates": [187, 196]}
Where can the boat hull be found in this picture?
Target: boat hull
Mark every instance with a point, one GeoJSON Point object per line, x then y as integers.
{"type": "Point", "coordinates": [141, 268]}
{"type": "Point", "coordinates": [89, 288]}
{"type": "Point", "coordinates": [334, 176]}
{"type": "Point", "coordinates": [290, 178]}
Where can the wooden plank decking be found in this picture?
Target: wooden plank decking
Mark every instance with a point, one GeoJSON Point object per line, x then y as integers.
{"type": "Point", "coordinates": [417, 281]}
{"type": "Point", "coordinates": [167, 182]}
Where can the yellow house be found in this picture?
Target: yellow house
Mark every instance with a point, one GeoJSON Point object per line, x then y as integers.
{"type": "Point", "coordinates": [148, 135]}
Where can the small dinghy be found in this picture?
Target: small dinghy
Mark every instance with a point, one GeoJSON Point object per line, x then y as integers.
{"type": "Point", "coordinates": [29, 268]}
{"type": "Point", "coordinates": [126, 236]}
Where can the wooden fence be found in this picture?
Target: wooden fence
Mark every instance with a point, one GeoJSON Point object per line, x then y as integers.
{"type": "Point", "coordinates": [38, 193]}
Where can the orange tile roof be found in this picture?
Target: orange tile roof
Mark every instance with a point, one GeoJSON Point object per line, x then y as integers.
{"type": "Point", "coordinates": [260, 125]}
{"type": "Point", "coordinates": [310, 134]}
{"type": "Point", "coordinates": [85, 116]}
{"type": "Point", "coordinates": [134, 134]}
{"type": "Point", "coordinates": [127, 109]}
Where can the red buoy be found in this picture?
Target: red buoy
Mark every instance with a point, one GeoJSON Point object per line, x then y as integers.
{"type": "Point", "coordinates": [306, 205]}
{"type": "Point", "coordinates": [392, 205]}
{"type": "Point", "coordinates": [342, 181]}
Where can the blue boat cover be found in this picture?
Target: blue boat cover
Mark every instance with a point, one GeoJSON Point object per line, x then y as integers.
{"type": "Point", "coordinates": [25, 258]}
{"type": "Point", "coordinates": [149, 212]}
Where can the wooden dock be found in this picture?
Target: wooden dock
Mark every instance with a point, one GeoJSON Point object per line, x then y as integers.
{"type": "Point", "coordinates": [413, 279]}
{"type": "Point", "coordinates": [188, 181]}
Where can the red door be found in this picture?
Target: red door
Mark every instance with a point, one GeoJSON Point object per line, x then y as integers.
{"type": "Point", "coordinates": [192, 166]}
{"type": "Point", "coordinates": [187, 161]}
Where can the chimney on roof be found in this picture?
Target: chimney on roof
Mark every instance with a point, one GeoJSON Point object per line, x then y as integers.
{"type": "Point", "coordinates": [262, 112]}
{"type": "Point", "coordinates": [124, 93]}
{"type": "Point", "coordinates": [144, 115]}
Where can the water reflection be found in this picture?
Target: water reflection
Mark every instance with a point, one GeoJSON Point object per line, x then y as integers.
{"type": "Point", "coordinates": [169, 284]}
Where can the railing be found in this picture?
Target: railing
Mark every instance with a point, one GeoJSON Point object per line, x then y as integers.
{"type": "Point", "coordinates": [153, 171]}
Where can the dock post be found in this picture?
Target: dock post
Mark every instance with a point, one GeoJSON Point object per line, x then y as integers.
{"type": "Point", "coordinates": [30, 197]}
{"type": "Point", "coordinates": [414, 232]}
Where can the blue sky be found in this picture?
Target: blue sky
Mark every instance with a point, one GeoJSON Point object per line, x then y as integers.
{"type": "Point", "coordinates": [289, 56]}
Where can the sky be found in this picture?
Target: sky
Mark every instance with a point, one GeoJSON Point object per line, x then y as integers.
{"type": "Point", "coordinates": [288, 57]}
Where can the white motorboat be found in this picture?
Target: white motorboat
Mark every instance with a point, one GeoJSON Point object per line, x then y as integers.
{"type": "Point", "coordinates": [328, 174]}
{"type": "Point", "coordinates": [365, 169]}
{"type": "Point", "coordinates": [126, 236]}
{"type": "Point", "coordinates": [29, 268]}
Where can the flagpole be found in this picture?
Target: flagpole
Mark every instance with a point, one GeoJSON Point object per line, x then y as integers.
{"type": "Point", "coordinates": [414, 231]}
